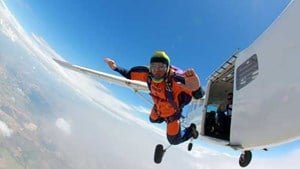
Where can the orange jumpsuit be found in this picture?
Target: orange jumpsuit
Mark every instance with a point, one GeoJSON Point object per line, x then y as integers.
{"type": "Point", "coordinates": [165, 109]}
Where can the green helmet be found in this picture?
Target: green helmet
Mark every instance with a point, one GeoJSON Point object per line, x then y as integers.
{"type": "Point", "coordinates": [161, 57]}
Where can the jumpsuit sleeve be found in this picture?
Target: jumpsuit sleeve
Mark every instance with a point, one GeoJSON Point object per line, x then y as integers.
{"type": "Point", "coordinates": [124, 72]}
{"type": "Point", "coordinates": [197, 94]}
{"type": "Point", "coordinates": [135, 73]}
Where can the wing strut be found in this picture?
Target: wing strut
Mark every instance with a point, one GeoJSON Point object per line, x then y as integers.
{"type": "Point", "coordinates": [143, 97]}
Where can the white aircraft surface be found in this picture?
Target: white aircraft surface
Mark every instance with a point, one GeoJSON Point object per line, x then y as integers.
{"type": "Point", "coordinates": [265, 83]}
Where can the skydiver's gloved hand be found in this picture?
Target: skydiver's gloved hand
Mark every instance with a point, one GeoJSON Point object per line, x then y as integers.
{"type": "Point", "coordinates": [111, 63]}
{"type": "Point", "coordinates": [192, 81]}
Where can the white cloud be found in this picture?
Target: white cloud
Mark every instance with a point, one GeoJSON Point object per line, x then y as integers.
{"type": "Point", "coordinates": [4, 130]}
{"type": "Point", "coordinates": [141, 109]}
{"type": "Point", "coordinates": [63, 125]}
{"type": "Point", "coordinates": [198, 158]}
{"type": "Point", "coordinates": [30, 126]}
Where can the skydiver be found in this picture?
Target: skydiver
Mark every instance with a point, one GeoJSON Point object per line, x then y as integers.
{"type": "Point", "coordinates": [169, 90]}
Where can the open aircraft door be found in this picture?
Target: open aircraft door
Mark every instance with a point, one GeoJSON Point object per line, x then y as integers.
{"type": "Point", "coordinates": [220, 83]}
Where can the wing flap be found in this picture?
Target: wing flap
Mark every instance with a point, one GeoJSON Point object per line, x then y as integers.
{"type": "Point", "coordinates": [118, 80]}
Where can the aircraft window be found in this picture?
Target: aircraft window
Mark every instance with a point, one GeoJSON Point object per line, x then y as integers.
{"type": "Point", "coordinates": [247, 72]}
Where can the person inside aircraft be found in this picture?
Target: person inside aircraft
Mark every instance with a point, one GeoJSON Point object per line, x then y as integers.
{"type": "Point", "coordinates": [224, 117]}
{"type": "Point", "coordinates": [211, 124]}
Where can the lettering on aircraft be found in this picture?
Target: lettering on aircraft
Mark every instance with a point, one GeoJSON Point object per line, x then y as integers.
{"type": "Point", "coordinates": [247, 72]}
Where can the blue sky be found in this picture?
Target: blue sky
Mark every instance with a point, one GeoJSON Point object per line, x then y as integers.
{"type": "Point", "coordinates": [197, 34]}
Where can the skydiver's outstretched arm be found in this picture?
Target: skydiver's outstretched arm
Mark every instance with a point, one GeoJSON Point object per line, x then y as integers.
{"type": "Point", "coordinates": [112, 64]}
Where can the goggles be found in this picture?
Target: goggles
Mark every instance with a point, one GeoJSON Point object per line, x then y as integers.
{"type": "Point", "coordinates": [158, 66]}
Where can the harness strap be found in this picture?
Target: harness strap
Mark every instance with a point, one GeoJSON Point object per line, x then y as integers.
{"type": "Point", "coordinates": [169, 93]}
{"type": "Point", "coordinates": [169, 98]}
{"type": "Point", "coordinates": [174, 117]}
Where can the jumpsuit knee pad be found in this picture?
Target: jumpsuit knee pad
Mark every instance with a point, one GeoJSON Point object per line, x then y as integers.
{"type": "Point", "coordinates": [154, 117]}
{"type": "Point", "coordinates": [173, 132]}
{"type": "Point", "coordinates": [158, 120]}
{"type": "Point", "coordinates": [173, 128]}
{"type": "Point", "coordinates": [174, 139]}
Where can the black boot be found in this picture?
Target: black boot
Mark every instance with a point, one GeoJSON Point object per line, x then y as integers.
{"type": "Point", "coordinates": [190, 132]}
{"type": "Point", "coordinates": [194, 131]}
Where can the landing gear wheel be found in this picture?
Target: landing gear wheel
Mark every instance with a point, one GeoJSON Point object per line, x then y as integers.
{"type": "Point", "coordinates": [190, 146]}
{"type": "Point", "coordinates": [245, 158]}
{"type": "Point", "coordinates": [159, 153]}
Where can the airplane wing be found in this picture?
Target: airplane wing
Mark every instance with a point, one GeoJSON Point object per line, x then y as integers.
{"type": "Point", "coordinates": [118, 80]}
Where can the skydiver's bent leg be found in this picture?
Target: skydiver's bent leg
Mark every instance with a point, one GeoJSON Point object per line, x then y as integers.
{"type": "Point", "coordinates": [175, 135]}
{"type": "Point", "coordinates": [154, 118]}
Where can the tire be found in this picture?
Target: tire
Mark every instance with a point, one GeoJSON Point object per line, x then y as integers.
{"type": "Point", "coordinates": [190, 146]}
{"type": "Point", "coordinates": [245, 158]}
{"type": "Point", "coordinates": [158, 154]}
